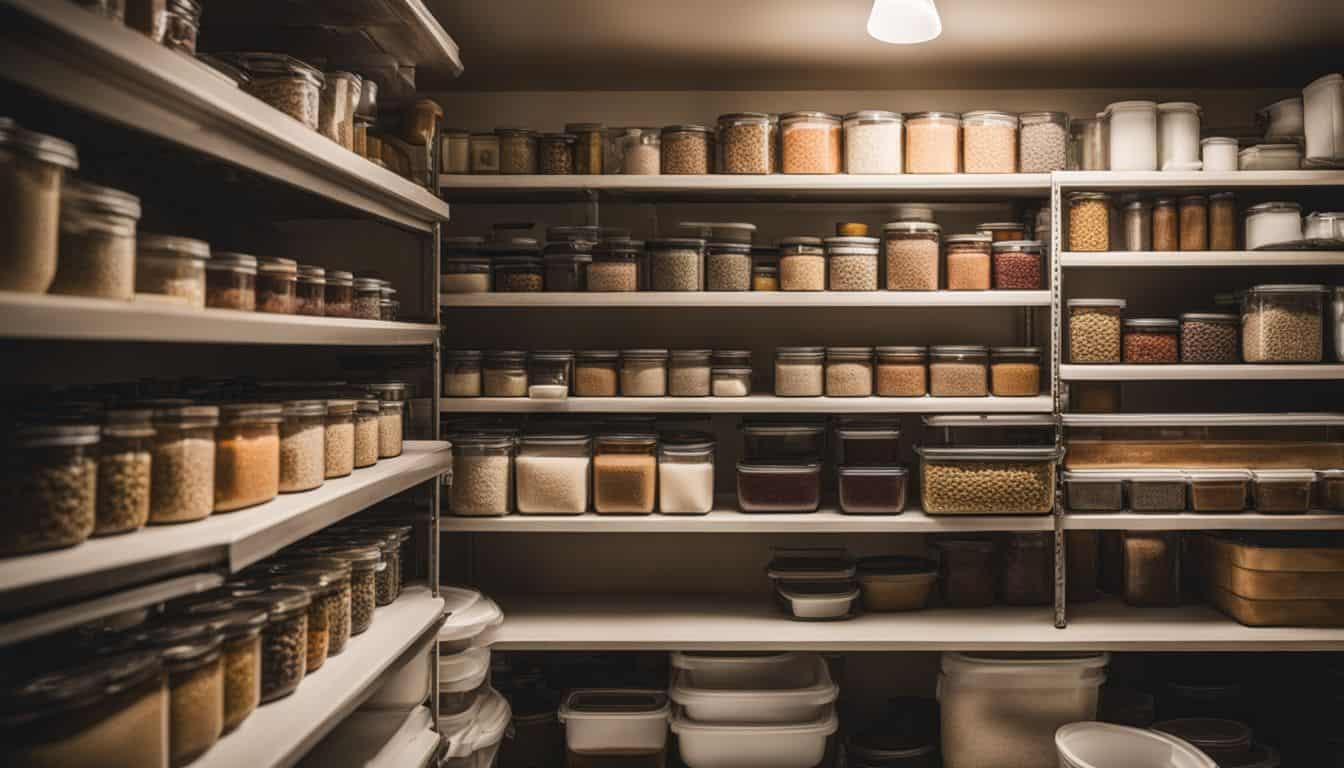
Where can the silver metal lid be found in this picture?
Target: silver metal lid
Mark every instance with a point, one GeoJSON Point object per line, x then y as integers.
{"type": "Point", "coordinates": [93, 197]}
{"type": "Point", "coordinates": [1161, 324]}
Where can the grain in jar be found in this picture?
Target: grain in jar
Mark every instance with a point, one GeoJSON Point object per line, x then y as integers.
{"type": "Point", "coordinates": [548, 373]}
{"type": "Point", "coordinates": [1089, 221]}
{"type": "Point", "coordinates": [615, 267]}
{"type": "Point", "coordinates": [911, 251]}
{"type": "Point", "coordinates": [248, 456]}
{"type": "Point", "coordinates": [745, 143]}
{"type": "Point", "coordinates": [644, 372]}
{"type": "Point", "coordinates": [685, 150]}
{"type": "Point", "coordinates": [979, 481]}
{"type": "Point", "coordinates": [933, 142]}
{"type": "Point", "coordinates": [97, 242]}
{"type": "Point", "coordinates": [124, 471]}
{"type": "Point", "coordinates": [849, 371]}
{"type": "Point", "coordinates": [730, 380]}
{"type": "Point", "coordinates": [277, 285]}
{"type": "Point", "coordinates": [33, 169]}
{"type": "Point", "coordinates": [517, 151]}
{"type": "Point", "coordinates": [1222, 221]}
{"type": "Point", "coordinates": [1282, 323]}
{"type": "Point", "coordinates": [765, 277]}
{"type": "Point", "coordinates": [484, 153]}
{"type": "Point", "coordinates": [284, 640]}
{"type": "Point", "coordinates": [958, 371]}
{"type": "Point", "coordinates": [810, 142]}
{"type": "Point", "coordinates": [556, 154]}
{"type": "Point", "coordinates": [368, 293]}
{"type": "Point", "coordinates": [902, 371]}
{"type": "Point", "coordinates": [504, 373]}
{"type": "Point", "coordinates": [231, 281]}
{"type": "Point", "coordinates": [1043, 142]}
{"type": "Point", "coordinates": [336, 108]}
{"type": "Point", "coordinates": [285, 83]}
{"type": "Point", "coordinates": [1094, 330]}
{"type": "Point", "coordinates": [688, 373]}
{"type": "Point", "coordinates": [182, 464]}
{"type": "Point", "coordinates": [1015, 371]}
{"type": "Point", "coordinates": [802, 264]}
{"type": "Point", "coordinates": [339, 438]}
{"type": "Point", "coordinates": [339, 296]}
{"type": "Point", "coordinates": [552, 474]}
{"type": "Point", "coordinates": [49, 483]}
{"type": "Point", "coordinates": [589, 147]}
{"type": "Point", "coordinates": [728, 267]}
{"type": "Point", "coordinates": [625, 474]}
{"type": "Point", "coordinates": [323, 590]}
{"type": "Point", "coordinates": [874, 142]}
{"type": "Point", "coordinates": [596, 373]}
{"type": "Point", "coordinates": [641, 151]}
{"type": "Point", "coordinates": [853, 264]}
{"type": "Point", "coordinates": [968, 262]}
{"type": "Point", "coordinates": [366, 433]}
{"type": "Point", "coordinates": [999, 231]}
{"type": "Point", "coordinates": [1209, 337]}
{"type": "Point", "coordinates": [799, 371]}
{"type": "Point", "coordinates": [1150, 340]}
{"type": "Point", "coordinates": [1018, 265]}
{"type": "Point", "coordinates": [195, 696]}
{"type": "Point", "coordinates": [172, 267]}
{"type": "Point", "coordinates": [482, 475]}
{"type": "Point", "coordinates": [989, 142]}
{"type": "Point", "coordinates": [391, 428]}
{"type": "Point", "coordinates": [1194, 223]}
{"type": "Point", "coordinates": [1166, 225]}
{"type": "Point", "coordinates": [310, 295]}
{"type": "Point", "coordinates": [518, 274]}
{"type": "Point", "coordinates": [676, 264]}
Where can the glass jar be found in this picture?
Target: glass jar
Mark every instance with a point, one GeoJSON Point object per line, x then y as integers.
{"type": "Point", "coordinates": [388, 304]}
{"type": "Point", "coordinates": [464, 268]}
{"type": "Point", "coordinates": [1209, 337]}
{"type": "Point", "coordinates": [1132, 144]}
{"type": "Point", "coordinates": [799, 371]}
{"type": "Point", "coordinates": [802, 264]}
{"type": "Point", "coordinates": [310, 292]}
{"type": "Point", "coordinates": [482, 475]}
{"type": "Point", "coordinates": [548, 374]}
{"type": "Point", "coordinates": [685, 150]}
{"type": "Point", "coordinates": [1282, 323]}
{"type": "Point", "coordinates": [339, 295]}
{"type": "Point", "coordinates": [1043, 142]}
{"type": "Point", "coordinates": [810, 142]}
{"type": "Point", "coordinates": [504, 373]}
{"type": "Point", "coordinates": [745, 140]}
{"type": "Point", "coordinates": [339, 438]}
{"type": "Point", "coordinates": [366, 433]}
{"type": "Point", "coordinates": [728, 267]}
{"type": "Point", "coordinates": [1089, 144]}
{"type": "Point", "coordinates": [277, 285]}
{"type": "Point", "coordinates": [688, 373]}
{"type": "Point", "coordinates": [1166, 225]}
{"type": "Point", "coordinates": [1152, 574]}
{"type": "Point", "coordinates": [455, 152]}
{"type": "Point", "coordinates": [933, 142]}
{"type": "Point", "coordinates": [686, 474]}
{"type": "Point", "coordinates": [1002, 230]}
{"type": "Point", "coordinates": [911, 250]}
{"type": "Point", "coordinates": [552, 474]}
{"type": "Point", "coordinates": [625, 474]}
{"type": "Point", "coordinates": [336, 110]}
{"type": "Point", "coordinates": [989, 142]}
{"type": "Point", "coordinates": [677, 264]}
{"type": "Point", "coordinates": [361, 135]}
{"type": "Point", "coordinates": [248, 461]}
{"type": "Point", "coordinates": [968, 262]}
{"type": "Point", "coordinates": [517, 151]}
{"type": "Point", "coordinates": [615, 268]}
{"type": "Point", "coordinates": [97, 242]}
{"type": "Point", "coordinates": [35, 167]}
{"type": "Point", "coordinates": [284, 640]}
{"type": "Point", "coordinates": [484, 149]}
{"type": "Point", "coordinates": [902, 371]}
{"type": "Point", "coordinates": [1194, 223]}
{"type": "Point", "coordinates": [644, 372]}
{"type": "Point", "coordinates": [1015, 371]}
{"type": "Point", "coordinates": [874, 142]}
{"type": "Point", "coordinates": [195, 696]}
{"type": "Point", "coordinates": [641, 151]}
{"type": "Point", "coordinates": [1094, 330]}
{"type": "Point", "coordinates": [182, 464]}
{"type": "Point", "coordinates": [958, 371]}
{"type": "Point", "coordinates": [231, 281]}
{"type": "Point", "coordinates": [366, 562]}
{"type": "Point", "coordinates": [1273, 224]}
{"type": "Point", "coordinates": [556, 152]}
{"type": "Point", "coordinates": [124, 471]}
{"type": "Point", "coordinates": [1223, 221]}
{"type": "Point", "coordinates": [853, 263]}
{"type": "Point", "coordinates": [518, 274]}
{"type": "Point", "coordinates": [1138, 225]}
{"type": "Point", "coordinates": [566, 268]}
{"type": "Point", "coordinates": [849, 371]}
{"type": "Point", "coordinates": [50, 481]}
{"type": "Point", "coordinates": [730, 380]}
{"type": "Point", "coordinates": [765, 277]}
{"type": "Point", "coordinates": [284, 82]}
{"type": "Point", "coordinates": [1089, 221]}
{"type": "Point", "coordinates": [590, 142]}
{"type": "Point", "coordinates": [391, 428]}
{"type": "Point", "coordinates": [166, 265]}
{"type": "Point", "coordinates": [322, 592]}
{"type": "Point", "coordinates": [1018, 265]}
{"type": "Point", "coordinates": [1027, 573]}
{"type": "Point", "coordinates": [368, 293]}
{"type": "Point", "coordinates": [967, 572]}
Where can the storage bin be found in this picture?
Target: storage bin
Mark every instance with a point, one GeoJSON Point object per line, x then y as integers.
{"type": "Point", "coordinates": [1273, 224]}
{"type": "Point", "coordinates": [50, 484]}
{"type": "Point", "coordinates": [1157, 491]}
{"type": "Point", "coordinates": [796, 689]}
{"type": "Point", "coordinates": [1270, 157]}
{"type": "Point", "coordinates": [1133, 136]}
{"type": "Point", "coordinates": [503, 373]}
{"type": "Point", "coordinates": [872, 490]}
{"type": "Point", "coordinates": [874, 142]}
{"type": "Point", "coordinates": [551, 472]}
{"type": "Point", "coordinates": [853, 263]}
{"type": "Point", "coordinates": [746, 143]}
{"type": "Point", "coordinates": [933, 142]}
{"type": "Point", "coordinates": [1094, 491]}
{"type": "Point", "coordinates": [482, 475]}
{"type": "Point", "coordinates": [778, 485]}
{"type": "Point", "coordinates": [1015, 371]}
{"type": "Point", "coordinates": [902, 371]}
{"type": "Point", "coordinates": [1103, 745]}
{"type": "Point", "coordinates": [629, 722]}
{"type": "Point", "coordinates": [739, 745]}
{"type": "Point", "coordinates": [1027, 572]}
{"type": "Point", "coordinates": [1094, 330]}
{"type": "Point", "coordinates": [1043, 142]}
{"type": "Point", "coordinates": [802, 264]}
{"type": "Point", "coordinates": [849, 371]}
{"type": "Point", "coordinates": [1219, 490]}
{"type": "Point", "coordinates": [477, 744]}
{"type": "Point", "coordinates": [172, 267]}
{"type": "Point", "coordinates": [231, 281]}
{"type": "Point", "coordinates": [1178, 136]}
{"type": "Point", "coordinates": [783, 441]}
{"type": "Point", "coordinates": [1018, 265]}
{"type": "Point", "coordinates": [958, 371]}
{"type": "Point", "coordinates": [809, 142]}
{"type": "Point", "coordinates": [978, 481]}
{"type": "Point", "coordinates": [685, 150]}
{"type": "Point", "coordinates": [461, 677]}
{"type": "Point", "coordinates": [284, 82]}
{"type": "Point", "coordinates": [1149, 341]}
{"type": "Point", "coordinates": [1089, 221]}
{"type": "Point", "coordinates": [1283, 491]}
{"type": "Point", "coordinates": [966, 572]}
{"type": "Point", "coordinates": [911, 252]}
{"type": "Point", "coordinates": [1273, 580]}
{"type": "Point", "coordinates": [1152, 570]}
{"type": "Point", "coordinates": [1219, 154]}
{"type": "Point", "coordinates": [799, 371]}
{"type": "Point", "coordinates": [968, 262]}
{"type": "Point", "coordinates": [548, 374]}
{"type": "Point", "coordinates": [1284, 119]}
{"type": "Point", "coordinates": [890, 584]}
{"type": "Point", "coordinates": [1323, 113]}
{"type": "Point", "coordinates": [625, 474]}
{"type": "Point", "coordinates": [988, 142]}
{"type": "Point", "coordinates": [1282, 323]}
{"type": "Point", "coordinates": [686, 474]}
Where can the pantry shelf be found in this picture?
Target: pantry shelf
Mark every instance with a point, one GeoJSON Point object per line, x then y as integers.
{"type": "Point", "coordinates": [1204, 259]}
{"type": "Point", "coordinates": [728, 520]}
{"type": "Point", "coordinates": [1196, 180]}
{"type": "Point", "coordinates": [1188, 372]}
{"type": "Point", "coordinates": [280, 733]}
{"type": "Point", "coordinates": [717, 622]}
{"type": "Point", "coordinates": [75, 318]}
{"type": "Point", "coordinates": [749, 404]}
{"type": "Point", "coordinates": [69, 55]}
{"type": "Point", "coordinates": [231, 540]}
{"type": "Point", "coordinates": [1245, 521]}
{"type": "Point", "coordinates": [751, 299]}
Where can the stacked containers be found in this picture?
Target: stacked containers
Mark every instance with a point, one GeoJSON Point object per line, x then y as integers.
{"type": "Point", "coordinates": [815, 584]}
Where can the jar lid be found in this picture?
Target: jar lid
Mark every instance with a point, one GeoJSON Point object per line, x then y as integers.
{"type": "Point", "coordinates": [675, 242]}
{"type": "Point", "coordinates": [232, 260]}
{"type": "Point", "coordinates": [255, 412]}
{"type": "Point", "coordinates": [38, 696]}
{"type": "Point", "coordinates": [1133, 104]}
{"type": "Point", "coordinates": [1218, 141]}
{"type": "Point", "coordinates": [129, 422]}
{"type": "Point", "coordinates": [1138, 205]}
{"type": "Point", "coordinates": [644, 354]}
{"type": "Point", "coordinates": [1210, 317]}
{"type": "Point", "coordinates": [1089, 196]}
{"type": "Point", "coordinates": [1195, 199]}
{"type": "Point", "coordinates": [553, 355]}
{"type": "Point", "coordinates": [598, 355]}
{"type": "Point", "coordinates": [967, 238]}
{"type": "Point", "coordinates": [1043, 117]}
{"type": "Point", "coordinates": [478, 440]}
{"type": "Point", "coordinates": [557, 438]}
{"type": "Point", "coordinates": [851, 240]}
{"type": "Point", "coordinates": [796, 351]}
{"type": "Point", "coordinates": [914, 212]}
{"type": "Point", "coordinates": [280, 602]}
{"type": "Point", "coordinates": [933, 115]}
{"type": "Point", "coordinates": [959, 350]}
{"type": "Point", "coordinates": [316, 583]}
{"type": "Point", "coordinates": [187, 416]}
{"type": "Point", "coordinates": [720, 248]}
{"type": "Point", "coordinates": [312, 272]}
{"type": "Point", "coordinates": [1152, 324]}
{"type": "Point", "coordinates": [267, 64]}
{"type": "Point", "coordinates": [628, 438]}
{"type": "Point", "coordinates": [685, 128]}
{"type": "Point", "coordinates": [1208, 733]}
{"type": "Point", "coordinates": [907, 351]}
{"type": "Point", "coordinates": [765, 270]}
{"type": "Point", "coordinates": [783, 430]}
{"type": "Point", "coordinates": [849, 352]}
{"type": "Point", "coordinates": [912, 227]}
{"type": "Point", "coordinates": [874, 116]}
{"type": "Point", "coordinates": [1016, 351]}
{"type": "Point", "coordinates": [1017, 245]}
{"type": "Point", "coordinates": [40, 146]}
{"type": "Point", "coordinates": [44, 435]}
{"type": "Point", "coordinates": [514, 132]}
{"type": "Point", "coordinates": [989, 115]}
{"type": "Point", "coordinates": [801, 240]}
{"type": "Point", "coordinates": [584, 127]}
{"type": "Point", "coordinates": [92, 197]}
{"type": "Point", "coordinates": [691, 354]}
{"type": "Point", "coordinates": [809, 115]}
{"type": "Point", "coordinates": [1179, 106]}
{"type": "Point", "coordinates": [360, 556]}
{"type": "Point", "coordinates": [1288, 288]}
{"type": "Point", "coordinates": [1117, 303]}
{"type": "Point", "coordinates": [503, 356]}
{"type": "Point", "coordinates": [463, 241]}
{"type": "Point", "coordinates": [613, 250]}
{"type": "Point", "coordinates": [367, 284]}
{"type": "Point", "coordinates": [278, 264]}
{"type": "Point", "coordinates": [178, 246]}
{"type": "Point", "coordinates": [1003, 226]}
{"type": "Point", "coordinates": [1275, 206]}
{"type": "Point", "coordinates": [746, 116]}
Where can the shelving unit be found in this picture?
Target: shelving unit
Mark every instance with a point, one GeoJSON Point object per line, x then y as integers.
{"type": "Point", "coordinates": [1193, 372]}
{"type": "Point", "coordinates": [1202, 259]}
{"type": "Point", "coordinates": [1196, 180]}
{"type": "Point", "coordinates": [1243, 521]}
{"type": "Point", "coordinates": [749, 404]}
{"type": "Point", "coordinates": [725, 518]}
{"type": "Point", "coordinates": [753, 300]}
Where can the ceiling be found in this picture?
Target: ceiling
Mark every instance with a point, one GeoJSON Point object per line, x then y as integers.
{"type": "Point", "coordinates": [823, 44]}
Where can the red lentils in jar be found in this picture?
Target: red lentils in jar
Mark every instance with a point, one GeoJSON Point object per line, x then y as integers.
{"type": "Point", "coordinates": [1150, 340]}
{"type": "Point", "coordinates": [1018, 265]}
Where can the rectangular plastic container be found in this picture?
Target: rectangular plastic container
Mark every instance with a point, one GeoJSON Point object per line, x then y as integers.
{"type": "Point", "coordinates": [798, 690]}
{"type": "Point", "coordinates": [1219, 490]}
{"type": "Point", "coordinates": [738, 745]}
{"type": "Point", "coordinates": [896, 583]}
{"type": "Point", "coordinates": [614, 720]}
{"type": "Point", "coordinates": [1094, 491]}
{"type": "Point", "coordinates": [727, 670]}
{"type": "Point", "coordinates": [779, 486]}
{"type": "Point", "coordinates": [988, 481]}
{"type": "Point", "coordinates": [1270, 157]}
{"type": "Point", "coordinates": [818, 600]}
{"type": "Point", "coordinates": [872, 490]}
{"type": "Point", "coordinates": [799, 440]}
{"type": "Point", "coordinates": [1284, 491]}
{"type": "Point", "coordinates": [1157, 491]}
{"type": "Point", "coordinates": [1323, 113]}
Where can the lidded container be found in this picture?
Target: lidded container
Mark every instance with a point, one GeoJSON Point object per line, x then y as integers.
{"type": "Point", "coordinates": [589, 147]}
{"type": "Point", "coordinates": [1194, 213]}
{"type": "Point", "coordinates": [728, 267]}
{"type": "Point", "coordinates": [248, 457]}
{"type": "Point", "coordinates": [551, 473]}
{"type": "Point", "coordinates": [482, 475]}
{"type": "Point", "coordinates": [933, 142]}
{"type": "Point", "coordinates": [484, 153]}
{"type": "Point", "coordinates": [779, 485]}
{"type": "Point", "coordinates": [685, 150]}
{"type": "Point", "coordinates": [902, 371]}
{"type": "Point", "coordinates": [172, 267]}
{"type": "Point", "coordinates": [1089, 144]}
{"type": "Point", "coordinates": [641, 151]}
{"type": "Point", "coordinates": [629, 722]}
{"type": "Point", "coordinates": [1284, 491]}
{"type": "Point", "coordinates": [1209, 337]}
{"type": "Point", "coordinates": [1151, 340]}
{"type": "Point", "coordinates": [548, 374]}
{"type": "Point", "coordinates": [368, 294]}
{"type": "Point", "coordinates": [1219, 490]}
{"type": "Point", "coordinates": [33, 174]}
{"type": "Point", "coordinates": [787, 688]}
{"type": "Point", "coordinates": [284, 640]}
{"type": "Point", "coordinates": [676, 264]}
{"type": "Point", "coordinates": [968, 262]}
{"type": "Point", "coordinates": [1283, 120]}
{"type": "Point", "coordinates": [1322, 225]}
{"type": "Point", "coordinates": [746, 143]}
{"type": "Point", "coordinates": [1027, 574]}
{"type": "Point", "coordinates": [339, 439]}
{"type": "Point", "coordinates": [124, 457]}
{"type": "Point", "coordinates": [849, 371]}
{"type": "Point", "coordinates": [1090, 490]}
{"type": "Point", "coordinates": [339, 294]}
{"type": "Point", "coordinates": [1137, 225]}
{"type": "Point", "coordinates": [810, 142]}
{"type": "Point", "coordinates": [1270, 157]}
{"type": "Point", "coordinates": [852, 263]}
{"type": "Point", "coordinates": [1178, 136]}
{"type": "Point", "coordinates": [615, 267]}
{"type": "Point", "coordinates": [799, 371]}
{"type": "Point", "coordinates": [1018, 265]}
{"type": "Point", "coordinates": [686, 474]}
{"type": "Point", "coordinates": [1104, 743]}
{"type": "Point", "coordinates": [688, 373]}
{"type": "Point", "coordinates": [517, 151]}
{"type": "Point", "coordinates": [336, 110]}
{"type": "Point", "coordinates": [566, 265]}
{"type": "Point", "coordinates": [1166, 225]}
{"type": "Point", "coordinates": [50, 482]}
{"type": "Point", "coordinates": [625, 474]}
{"type": "Point", "coordinates": [504, 373]}
{"type": "Point", "coordinates": [311, 291]}
{"type": "Point", "coordinates": [1152, 568]}
{"type": "Point", "coordinates": [1133, 135]}
{"type": "Point", "coordinates": [1323, 112]}
{"type": "Point", "coordinates": [1219, 154]}
{"type": "Point", "coordinates": [874, 142]}
{"type": "Point", "coordinates": [556, 154]}
{"type": "Point", "coordinates": [875, 490]}
{"type": "Point", "coordinates": [454, 151]}
{"type": "Point", "coordinates": [958, 371]}
{"type": "Point", "coordinates": [1089, 221]}
{"type": "Point", "coordinates": [182, 464]}
{"type": "Point", "coordinates": [1094, 330]}
{"type": "Point", "coordinates": [1282, 323]}
{"type": "Point", "coordinates": [911, 249]}
{"type": "Point", "coordinates": [988, 142]}
{"type": "Point", "coordinates": [1015, 371]}
{"type": "Point", "coordinates": [1157, 491]}
{"type": "Point", "coordinates": [988, 480]}
{"type": "Point", "coordinates": [277, 285]}
{"type": "Point", "coordinates": [867, 443]}
{"type": "Point", "coordinates": [231, 281]}
{"type": "Point", "coordinates": [97, 242]}
{"type": "Point", "coordinates": [284, 82]}
{"type": "Point", "coordinates": [302, 445]}
{"type": "Point", "coordinates": [802, 264]}
{"type": "Point", "coordinates": [1272, 224]}
{"type": "Point", "coordinates": [391, 428]}
{"type": "Point", "coordinates": [597, 373]}
{"type": "Point", "coordinates": [1043, 142]}
{"type": "Point", "coordinates": [367, 429]}
{"type": "Point", "coordinates": [797, 440]}
{"type": "Point", "coordinates": [644, 372]}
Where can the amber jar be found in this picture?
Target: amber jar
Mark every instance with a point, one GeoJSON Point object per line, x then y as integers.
{"type": "Point", "coordinates": [1194, 223]}
{"type": "Point", "coordinates": [1222, 221]}
{"type": "Point", "coordinates": [1166, 229]}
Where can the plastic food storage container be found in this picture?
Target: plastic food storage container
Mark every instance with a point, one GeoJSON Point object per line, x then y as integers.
{"type": "Point", "coordinates": [123, 471]}
{"type": "Point", "coordinates": [596, 373]}
{"type": "Point", "coordinates": [482, 475]}
{"type": "Point", "coordinates": [1194, 227]}
{"type": "Point", "coordinates": [1002, 230]}
{"type": "Point", "coordinates": [248, 459]}
{"type": "Point", "coordinates": [1043, 142]}
{"type": "Point", "coordinates": [849, 371]}
{"type": "Point", "coordinates": [1133, 136]}
{"type": "Point", "coordinates": [566, 267]}
{"type": "Point", "coordinates": [503, 373]}
{"type": "Point", "coordinates": [484, 148]}
{"type": "Point", "coordinates": [34, 171]}
{"type": "Point", "coordinates": [1222, 221]}
{"type": "Point", "coordinates": [518, 274]}
{"type": "Point", "coordinates": [1089, 221]}
{"type": "Point", "coordinates": [1321, 225]}
{"type": "Point", "coordinates": [765, 277]}
{"type": "Point", "coordinates": [644, 372]}
{"type": "Point", "coordinates": [182, 464]}
{"type": "Point", "coordinates": [625, 474]}
{"type": "Point", "coordinates": [911, 252]}
{"type": "Point", "coordinates": [966, 572]}
{"type": "Point", "coordinates": [686, 474]}
{"type": "Point", "coordinates": [1094, 330]}
{"type": "Point", "coordinates": [367, 429]}
{"type": "Point", "coordinates": [1152, 570]}
{"type": "Point", "coordinates": [640, 151]}
{"type": "Point", "coordinates": [1272, 224]}
{"type": "Point", "coordinates": [685, 150]}
{"type": "Point", "coordinates": [1284, 491]}
{"type": "Point", "coordinates": [802, 264]}
{"type": "Point", "coordinates": [988, 142]}
{"type": "Point", "coordinates": [1209, 337]}
{"type": "Point", "coordinates": [1018, 265]}
{"type": "Point", "coordinates": [958, 371]}
{"type": "Point", "coordinates": [173, 267]}
{"type": "Point", "coordinates": [933, 142]}
{"type": "Point", "coordinates": [461, 677]}
{"type": "Point", "coordinates": [779, 485]}
{"type": "Point", "coordinates": [817, 600]}
{"type": "Point", "coordinates": [556, 154]}
{"type": "Point", "coordinates": [517, 151]}
{"type": "Point", "coordinates": [1282, 323]}
{"type": "Point", "coordinates": [97, 242]}
{"type": "Point", "coordinates": [1323, 113]}
{"type": "Point", "coordinates": [50, 483]}
{"type": "Point", "coordinates": [728, 267]}
{"type": "Point", "coordinates": [474, 742]}
{"type": "Point", "coordinates": [799, 371]}
{"type": "Point", "coordinates": [284, 82]}
{"type": "Point", "coordinates": [391, 428]}
{"type": "Point", "coordinates": [968, 262]}
{"type": "Point", "coordinates": [979, 481]}
{"type": "Point", "coordinates": [872, 490]}
{"type": "Point", "coordinates": [1094, 491]}
{"type": "Point", "coordinates": [1104, 745]}
{"type": "Point", "coordinates": [1178, 136]}
{"type": "Point", "coordinates": [688, 373]}
{"type": "Point", "coordinates": [786, 688]}
{"type": "Point", "coordinates": [1270, 157]}
{"type": "Point", "coordinates": [729, 745]}
{"type": "Point", "coordinates": [901, 371]}
{"type": "Point", "coordinates": [891, 584]}
{"type": "Point", "coordinates": [853, 263]}
{"type": "Point", "coordinates": [1149, 340]}
{"type": "Point", "coordinates": [454, 153]}
{"type": "Point", "coordinates": [867, 444]}
{"type": "Point", "coordinates": [629, 722]}
{"type": "Point", "coordinates": [746, 143]}
{"type": "Point", "coordinates": [284, 640]}
{"type": "Point", "coordinates": [1157, 491]}
{"type": "Point", "coordinates": [615, 267]}
{"type": "Point", "coordinates": [1138, 225]}
{"type": "Point", "coordinates": [730, 374]}
{"type": "Point", "coordinates": [336, 109]}
{"type": "Point", "coordinates": [1284, 119]}
{"type": "Point", "coordinates": [302, 444]}
{"type": "Point", "coordinates": [874, 141]}
{"type": "Point", "coordinates": [1089, 144]}
{"type": "Point", "coordinates": [1219, 490]}
{"type": "Point", "coordinates": [231, 281]}
{"type": "Point", "coordinates": [677, 264]}
{"type": "Point", "coordinates": [1166, 225]}
{"type": "Point", "coordinates": [1015, 371]}
{"type": "Point", "coordinates": [1331, 489]}
{"type": "Point", "coordinates": [810, 142]}
{"type": "Point", "coordinates": [783, 441]}
{"type": "Point", "coordinates": [1219, 154]}
{"type": "Point", "coordinates": [551, 472]}
{"type": "Point", "coordinates": [1027, 575]}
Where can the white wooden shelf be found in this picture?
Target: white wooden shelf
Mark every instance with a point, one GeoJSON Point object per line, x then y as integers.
{"type": "Point", "coordinates": [727, 520]}
{"type": "Point", "coordinates": [749, 404]}
{"type": "Point", "coordinates": [229, 540]}
{"type": "Point", "coordinates": [561, 622]}
{"type": "Point", "coordinates": [750, 299]}
{"type": "Point", "coordinates": [1195, 180]}
{"type": "Point", "coordinates": [1245, 521]}
{"type": "Point", "coordinates": [75, 318]}
{"type": "Point", "coordinates": [380, 737]}
{"type": "Point", "coordinates": [1211, 259]}
{"type": "Point", "coordinates": [278, 734]}
{"type": "Point", "coordinates": [84, 61]}
{"type": "Point", "coordinates": [1190, 372]}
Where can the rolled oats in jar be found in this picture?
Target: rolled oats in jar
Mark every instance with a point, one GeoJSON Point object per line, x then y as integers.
{"type": "Point", "coordinates": [644, 372]}
{"type": "Point", "coordinates": [685, 150]}
{"type": "Point", "coordinates": [284, 82]}
{"type": "Point", "coordinates": [802, 264]}
{"type": "Point", "coordinates": [339, 298]}
{"type": "Point", "coordinates": [849, 371]}
{"type": "Point", "coordinates": [124, 471]}
{"type": "Point", "coordinates": [339, 440]}
{"type": "Point", "coordinates": [968, 262]}
{"type": "Point", "coordinates": [958, 371]}
{"type": "Point", "coordinates": [933, 142]}
{"type": "Point", "coordinates": [366, 433]}
{"type": "Point", "coordinates": [517, 151]}
{"type": "Point", "coordinates": [182, 464]}
{"type": "Point", "coordinates": [97, 242]}
{"type": "Point", "coordinates": [911, 250]}
{"type": "Point", "coordinates": [852, 263]}
{"type": "Point", "coordinates": [1089, 221]}
{"type": "Point", "coordinates": [989, 142]}
{"type": "Point", "coordinates": [391, 428]}
{"type": "Point", "coordinates": [902, 371]}
{"type": "Point", "coordinates": [745, 141]}
{"type": "Point", "coordinates": [33, 168]}
{"type": "Point", "coordinates": [874, 142]}
{"type": "Point", "coordinates": [556, 154]}
{"type": "Point", "coordinates": [310, 294]}
{"type": "Point", "coordinates": [166, 265]}
{"type": "Point", "coordinates": [462, 373]}
{"type": "Point", "coordinates": [810, 142]}
{"type": "Point", "coordinates": [231, 281]}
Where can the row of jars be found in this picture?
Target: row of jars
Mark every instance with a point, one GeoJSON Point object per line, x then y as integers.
{"type": "Point", "coordinates": [806, 142]}
{"type": "Point", "coordinates": [906, 371]}
{"type": "Point", "coordinates": [176, 461]}
{"type": "Point", "coordinates": [556, 374]}
{"type": "Point", "coordinates": [162, 692]}
{"type": "Point", "coordinates": [174, 24]}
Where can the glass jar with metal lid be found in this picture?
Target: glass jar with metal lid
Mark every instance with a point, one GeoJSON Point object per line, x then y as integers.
{"type": "Point", "coordinates": [902, 371]}
{"type": "Point", "coordinates": [727, 267]}
{"type": "Point", "coordinates": [686, 474]}
{"type": "Point", "coordinates": [910, 249]}
{"type": "Point", "coordinates": [284, 640]}
{"type": "Point", "coordinates": [247, 454]}
{"type": "Point", "coordinates": [284, 82]}
{"type": "Point", "coordinates": [933, 142]}
{"type": "Point", "coordinates": [1043, 142]}
{"type": "Point", "coordinates": [745, 140]}
{"type": "Point", "coordinates": [958, 371]}
{"type": "Point", "coordinates": [676, 264]}
{"type": "Point", "coordinates": [596, 373]}
{"type": "Point", "coordinates": [504, 373]}
{"type": "Point", "coordinates": [97, 242]}
{"type": "Point", "coordinates": [482, 475]}
{"type": "Point", "coordinates": [240, 628]}
{"type": "Point", "coordinates": [799, 371]}
{"type": "Point", "coordinates": [388, 390]}
{"type": "Point", "coordinates": [124, 456]}
{"type": "Point", "coordinates": [552, 474]}
{"type": "Point", "coordinates": [641, 151]}
{"type": "Point", "coordinates": [589, 147]}
{"type": "Point", "coordinates": [849, 371]}
{"type": "Point", "coordinates": [1151, 340]}
{"type": "Point", "coordinates": [1138, 225]}
{"type": "Point", "coordinates": [809, 142]}
{"type": "Point", "coordinates": [874, 141]}
{"type": "Point", "coordinates": [1282, 323]}
{"type": "Point", "coordinates": [1089, 221]}
{"type": "Point", "coordinates": [388, 304]}
{"type": "Point", "coordinates": [1018, 265]}
{"type": "Point", "coordinates": [339, 438]}
{"type": "Point", "coordinates": [391, 428]}
{"type": "Point", "coordinates": [517, 150]}
{"type": "Point", "coordinates": [34, 174]}
{"type": "Point", "coordinates": [231, 281]}
{"type": "Point", "coordinates": [366, 562]}
{"type": "Point", "coordinates": [182, 464]}
{"type": "Point", "coordinates": [555, 154]}
{"type": "Point", "coordinates": [336, 108]}
{"type": "Point", "coordinates": [50, 483]}
{"type": "Point", "coordinates": [548, 374]}
{"type": "Point", "coordinates": [688, 373]}
{"type": "Point", "coordinates": [852, 263]}
{"type": "Point", "coordinates": [195, 694]}
{"type": "Point", "coordinates": [615, 267]}
{"type": "Point", "coordinates": [366, 433]}
{"type": "Point", "coordinates": [765, 277]}
{"type": "Point", "coordinates": [685, 149]}
{"type": "Point", "coordinates": [1166, 225]}
{"type": "Point", "coordinates": [167, 265]}
{"type": "Point", "coordinates": [339, 295]}
{"type": "Point", "coordinates": [1194, 213]}
{"type": "Point", "coordinates": [989, 142]}
{"type": "Point", "coordinates": [277, 285]}
{"type": "Point", "coordinates": [368, 294]}
{"type": "Point", "coordinates": [310, 296]}
{"type": "Point", "coordinates": [1209, 337]}
{"type": "Point", "coordinates": [644, 372]}
{"type": "Point", "coordinates": [968, 262]}
{"type": "Point", "coordinates": [625, 473]}
{"type": "Point", "coordinates": [518, 274]}
{"type": "Point", "coordinates": [302, 445]}
{"type": "Point", "coordinates": [1015, 371]}
{"type": "Point", "coordinates": [484, 152]}
{"type": "Point", "coordinates": [464, 268]}
{"type": "Point", "coordinates": [802, 264]}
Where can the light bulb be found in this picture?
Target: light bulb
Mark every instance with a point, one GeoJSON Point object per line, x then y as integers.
{"type": "Point", "coordinates": [904, 21]}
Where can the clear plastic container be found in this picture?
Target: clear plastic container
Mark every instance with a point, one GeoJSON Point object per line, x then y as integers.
{"type": "Point", "coordinates": [873, 490]}
{"type": "Point", "coordinates": [799, 371]}
{"type": "Point", "coordinates": [809, 142]}
{"type": "Point", "coordinates": [1270, 157]}
{"type": "Point", "coordinates": [482, 475]}
{"type": "Point", "coordinates": [606, 722]}
{"type": "Point", "coordinates": [277, 285]}
{"type": "Point", "coordinates": [686, 475]}
{"type": "Point", "coordinates": [1219, 490]}
{"type": "Point", "coordinates": [552, 474]}
{"type": "Point", "coordinates": [795, 687]}
{"type": "Point", "coordinates": [284, 82]}
{"type": "Point", "coordinates": [1138, 225]}
{"type": "Point", "coordinates": [1282, 323]}
{"type": "Point", "coordinates": [182, 464]}
{"type": "Point", "coordinates": [677, 264]}
{"type": "Point", "coordinates": [519, 274]}
{"type": "Point", "coordinates": [933, 142]}
{"type": "Point", "coordinates": [779, 485]}
{"type": "Point", "coordinates": [231, 281]}
{"type": "Point", "coordinates": [97, 242]}
{"type": "Point", "coordinates": [770, 441]}
{"type": "Point", "coordinates": [729, 381]}
{"type": "Point", "coordinates": [597, 373]}
{"type": "Point", "coordinates": [336, 110]}
{"type": "Point", "coordinates": [1194, 213]}
{"type": "Point", "coordinates": [517, 151]}
{"type": "Point", "coordinates": [173, 267]}
{"type": "Point", "coordinates": [1089, 144]}
{"type": "Point", "coordinates": [566, 268]}
{"type": "Point", "coordinates": [615, 268]}
{"type": "Point", "coordinates": [968, 262]}
{"type": "Point", "coordinates": [746, 143]}
{"type": "Point", "coordinates": [1133, 136]}
{"type": "Point", "coordinates": [339, 439]}
{"type": "Point", "coordinates": [248, 456]}
{"type": "Point", "coordinates": [989, 142]}
{"type": "Point", "coordinates": [802, 264]}
{"type": "Point", "coordinates": [1284, 491]}
{"type": "Point", "coordinates": [853, 263]}
{"type": "Point", "coordinates": [1219, 154]}
{"type": "Point", "coordinates": [1015, 371]}
{"type": "Point", "coordinates": [911, 250]}
{"type": "Point", "coordinates": [1094, 330]}
{"type": "Point", "coordinates": [643, 372]}
{"type": "Point", "coordinates": [284, 640]}
{"type": "Point", "coordinates": [625, 474]}
{"type": "Point", "coordinates": [685, 150]}
{"type": "Point", "coordinates": [504, 373]}
{"type": "Point", "coordinates": [902, 371]}
{"type": "Point", "coordinates": [988, 481]}
{"type": "Point", "coordinates": [1000, 231]}
{"type": "Point", "coordinates": [1157, 491]}
{"type": "Point", "coordinates": [310, 294]}
{"type": "Point", "coordinates": [1273, 224]}
{"type": "Point", "coordinates": [849, 371]}
{"type": "Point", "coordinates": [1026, 570]}
{"type": "Point", "coordinates": [1094, 491]}
{"type": "Point", "coordinates": [966, 572]}
{"type": "Point", "coordinates": [728, 267]}
{"type": "Point", "coordinates": [50, 484]}
{"type": "Point", "coordinates": [1323, 118]}
{"type": "Point", "coordinates": [548, 373]}
{"type": "Point", "coordinates": [391, 428]}
{"type": "Point", "coordinates": [874, 142]}
{"type": "Point", "coordinates": [33, 174]}
{"type": "Point", "coordinates": [765, 277]}
{"type": "Point", "coordinates": [640, 151]}
{"type": "Point", "coordinates": [1330, 485]}
{"type": "Point", "coordinates": [366, 433]}
{"type": "Point", "coordinates": [1151, 341]}
{"type": "Point", "coordinates": [1018, 265]}
{"type": "Point", "coordinates": [1043, 142]}
{"type": "Point", "coordinates": [556, 151]}
{"type": "Point", "coordinates": [958, 371]}
{"type": "Point", "coordinates": [1152, 570]}
{"type": "Point", "coordinates": [1166, 225]}
{"type": "Point", "coordinates": [1089, 221]}
{"type": "Point", "coordinates": [688, 373]}
{"type": "Point", "coordinates": [484, 153]}
{"type": "Point", "coordinates": [867, 443]}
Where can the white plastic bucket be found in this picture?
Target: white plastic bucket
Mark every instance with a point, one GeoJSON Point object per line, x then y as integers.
{"type": "Point", "coordinates": [743, 745]}
{"type": "Point", "coordinates": [787, 693]}
{"type": "Point", "coordinates": [1103, 745]}
{"type": "Point", "coordinates": [407, 687]}
{"type": "Point", "coordinates": [1323, 110]}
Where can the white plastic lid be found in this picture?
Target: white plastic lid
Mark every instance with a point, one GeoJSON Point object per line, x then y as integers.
{"type": "Point", "coordinates": [614, 704]}
{"type": "Point", "coordinates": [484, 731]}
{"type": "Point", "coordinates": [955, 664]}
{"type": "Point", "coordinates": [1284, 475]}
{"type": "Point", "coordinates": [463, 671]}
{"type": "Point", "coordinates": [824, 725]}
{"type": "Point", "coordinates": [469, 614]}
{"type": "Point", "coordinates": [1105, 745]}
{"type": "Point", "coordinates": [741, 660]}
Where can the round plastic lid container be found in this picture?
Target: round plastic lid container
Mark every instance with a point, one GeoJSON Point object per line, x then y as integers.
{"type": "Point", "coordinates": [1103, 745]}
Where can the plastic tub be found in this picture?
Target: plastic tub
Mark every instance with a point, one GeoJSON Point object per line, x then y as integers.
{"type": "Point", "coordinates": [874, 142]}
{"type": "Point", "coordinates": [1323, 113]}
{"type": "Point", "coordinates": [1157, 491]}
{"type": "Point", "coordinates": [625, 472]}
{"type": "Point", "coordinates": [686, 475]}
{"type": "Point", "coordinates": [469, 616]}
{"type": "Point", "coordinates": [821, 564]}
{"type": "Point", "coordinates": [1284, 491]}
{"type": "Point", "coordinates": [987, 481]}
{"type": "Point", "coordinates": [1273, 224]}
{"type": "Point", "coordinates": [1094, 330]}
{"type": "Point", "coordinates": [551, 474]}
{"type": "Point", "coordinates": [779, 486]}
{"type": "Point", "coordinates": [1219, 154]}
{"type": "Point", "coordinates": [1103, 745]}
{"type": "Point", "coordinates": [408, 686]}
{"type": "Point", "coordinates": [612, 720]}
{"type": "Point", "coordinates": [1178, 135]}
{"type": "Point", "coordinates": [968, 262]}
{"type": "Point", "coordinates": [548, 374]}
{"type": "Point", "coordinates": [1284, 119]}
{"type": "Point", "coordinates": [728, 670]}
{"type": "Point", "coordinates": [1270, 157]}
{"type": "Point", "coordinates": [896, 583]}
{"type": "Point", "coordinates": [933, 142]}
{"type": "Point", "coordinates": [1133, 142]}
{"type": "Point", "coordinates": [735, 745]}
{"type": "Point", "coordinates": [809, 142]}
{"type": "Point", "coordinates": [461, 675]}
{"type": "Point", "coordinates": [1094, 491]}
{"type": "Point", "coordinates": [1219, 490]}
{"type": "Point", "coordinates": [475, 743]}
{"type": "Point", "coordinates": [798, 690]}
{"type": "Point", "coordinates": [958, 371]}
{"type": "Point", "coordinates": [818, 600]}
{"type": "Point", "coordinates": [871, 444]}
{"type": "Point", "coordinates": [872, 490]}
{"type": "Point", "coordinates": [746, 143]}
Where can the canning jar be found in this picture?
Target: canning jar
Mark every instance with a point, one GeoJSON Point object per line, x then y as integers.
{"type": "Point", "coordinates": [35, 166]}
{"type": "Point", "coordinates": [517, 151]}
{"type": "Point", "coordinates": [1178, 136]}
{"type": "Point", "coordinates": [1209, 337]}
{"type": "Point", "coordinates": [615, 267]}
{"type": "Point", "coordinates": [1219, 153]}
{"type": "Point", "coordinates": [166, 265]}
{"type": "Point", "coordinates": [1149, 340]}
{"type": "Point", "coordinates": [182, 464]}
{"type": "Point", "coordinates": [902, 371]}
{"type": "Point", "coordinates": [799, 371]}
{"type": "Point", "coordinates": [391, 428]}
{"type": "Point", "coordinates": [596, 373]}
{"type": "Point", "coordinates": [677, 264]}
{"type": "Point", "coordinates": [685, 150]}
{"type": "Point", "coordinates": [339, 295]}
{"type": "Point", "coordinates": [1194, 223]}
{"type": "Point", "coordinates": [388, 305]}
{"type": "Point", "coordinates": [1089, 144]}
{"type": "Point", "coordinates": [566, 267]}
{"type": "Point", "coordinates": [1152, 568]}
{"type": "Point", "coordinates": [49, 483]}
{"type": "Point", "coordinates": [1089, 221]}
{"type": "Point", "coordinates": [231, 281]}
{"type": "Point", "coordinates": [874, 141]}
{"type": "Point", "coordinates": [1282, 323]}
{"type": "Point", "coordinates": [644, 372]}
{"type": "Point", "coordinates": [284, 640]}
{"type": "Point", "coordinates": [339, 438]}
{"type": "Point", "coordinates": [640, 151]}
{"type": "Point", "coordinates": [589, 147]}
{"type": "Point", "coordinates": [958, 371]}
{"type": "Point", "coordinates": [1094, 330]}
{"type": "Point", "coordinates": [625, 474]}
{"type": "Point", "coordinates": [310, 292]}
{"type": "Point", "coordinates": [1027, 575]}
{"type": "Point", "coordinates": [688, 373]}
{"type": "Point", "coordinates": [484, 149]}
{"type": "Point", "coordinates": [248, 461]}
{"type": "Point", "coordinates": [1133, 135]}
{"type": "Point", "coordinates": [1018, 265]}
{"type": "Point", "coordinates": [1166, 225]}
{"type": "Point", "coordinates": [911, 249]}
{"type": "Point", "coordinates": [809, 142]}
{"type": "Point", "coordinates": [503, 373]}
{"type": "Point", "coordinates": [745, 140]}
{"type": "Point", "coordinates": [765, 277]}
{"type": "Point", "coordinates": [336, 110]}
{"type": "Point", "coordinates": [277, 285]}
{"type": "Point", "coordinates": [1002, 230]}
{"type": "Point", "coordinates": [284, 82]}
{"type": "Point", "coordinates": [1043, 142]}
{"type": "Point", "coordinates": [1222, 221]}
{"type": "Point", "coordinates": [933, 142]}
{"type": "Point", "coordinates": [482, 475]}
{"type": "Point", "coordinates": [728, 267]}
{"type": "Point", "coordinates": [802, 264]}
{"type": "Point", "coordinates": [97, 242]}
{"type": "Point", "coordinates": [966, 572]}
{"type": "Point", "coordinates": [989, 142]}
{"type": "Point", "coordinates": [124, 471]}
{"type": "Point", "coordinates": [366, 433]}
{"type": "Point", "coordinates": [1273, 224]}
{"type": "Point", "coordinates": [454, 151]}
{"type": "Point", "coordinates": [968, 262]}
{"type": "Point", "coordinates": [548, 374]}
{"type": "Point", "coordinates": [849, 371]}
{"type": "Point", "coordinates": [368, 292]}
{"type": "Point", "coordinates": [779, 485]}
{"type": "Point", "coordinates": [1138, 226]}
{"type": "Point", "coordinates": [686, 474]}
{"type": "Point", "coordinates": [853, 263]}
{"type": "Point", "coordinates": [552, 474]}
{"type": "Point", "coordinates": [1015, 371]}
{"type": "Point", "coordinates": [556, 154]}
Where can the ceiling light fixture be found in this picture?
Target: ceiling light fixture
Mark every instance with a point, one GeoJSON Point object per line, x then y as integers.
{"type": "Point", "coordinates": [904, 21]}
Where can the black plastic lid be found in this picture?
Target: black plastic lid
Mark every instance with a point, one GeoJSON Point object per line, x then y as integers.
{"type": "Point", "coordinates": [32, 698]}
{"type": "Point", "coordinates": [280, 603]}
{"type": "Point", "coordinates": [896, 565]}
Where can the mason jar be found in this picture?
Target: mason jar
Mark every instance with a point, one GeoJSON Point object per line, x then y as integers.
{"type": "Point", "coordinates": [231, 281]}
{"type": "Point", "coordinates": [310, 293]}
{"type": "Point", "coordinates": [97, 242]}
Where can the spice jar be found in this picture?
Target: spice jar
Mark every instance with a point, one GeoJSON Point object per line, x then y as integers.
{"type": "Point", "coordinates": [248, 461]}
{"type": "Point", "coordinates": [874, 142]}
{"type": "Point", "coordinates": [902, 371]}
{"type": "Point", "coordinates": [1089, 221]}
{"type": "Point", "coordinates": [1027, 575]}
{"type": "Point", "coordinates": [1002, 230]}
{"type": "Point", "coordinates": [589, 147]}
{"type": "Point", "coordinates": [968, 262]}
{"type": "Point", "coordinates": [339, 294]}
{"type": "Point", "coordinates": [595, 373]}
{"type": "Point", "coordinates": [1018, 265]}
{"type": "Point", "coordinates": [336, 109]}
{"type": "Point", "coordinates": [34, 170]}
{"type": "Point", "coordinates": [644, 372]}
{"type": "Point", "coordinates": [625, 473]}
{"type": "Point", "coordinates": [1194, 223]}
{"type": "Point", "coordinates": [1094, 330]}
{"type": "Point", "coordinates": [484, 148]}
{"type": "Point", "coordinates": [482, 476]}
{"type": "Point", "coordinates": [853, 263]}
{"type": "Point", "coordinates": [1138, 225]}
{"type": "Point", "coordinates": [1222, 221]}
{"type": "Point", "coordinates": [1209, 337]}
{"type": "Point", "coordinates": [284, 640]}
{"type": "Point", "coordinates": [989, 142]}
{"type": "Point", "coordinates": [933, 142]}
{"type": "Point", "coordinates": [277, 285]}
{"type": "Point", "coordinates": [1282, 323]}
{"type": "Point", "coordinates": [688, 373]}
{"type": "Point", "coordinates": [1043, 142]}
{"type": "Point", "coordinates": [548, 374]}
{"type": "Point", "coordinates": [390, 428]}
{"type": "Point", "coordinates": [517, 151]}
{"type": "Point", "coordinates": [1151, 340]}
{"type": "Point", "coordinates": [182, 464]}
{"type": "Point", "coordinates": [802, 264]}
{"type": "Point", "coordinates": [556, 151]}
{"type": "Point", "coordinates": [310, 294]}
{"type": "Point", "coordinates": [677, 264]}
{"type": "Point", "coordinates": [685, 150]}
{"type": "Point", "coordinates": [503, 373]}
{"type": "Point", "coordinates": [1152, 573]}
{"type": "Point", "coordinates": [799, 371]}
{"type": "Point", "coordinates": [1166, 225]}
{"type": "Point", "coordinates": [958, 371]}
{"type": "Point", "coordinates": [1015, 371]}
{"type": "Point", "coordinates": [809, 142]}
{"type": "Point", "coordinates": [231, 281]}
{"type": "Point", "coordinates": [849, 371]}
{"type": "Point", "coordinates": [911, 250]}
{"type": "Point", "coordinates": [339, 438]}
{"type": "Point", "coordinates": [566, 266]}
{"type": "Point", "coordinates": [124, 471]}
{"type": "Point", "coordinates": [97, 242]}
{"type": "Point", "coordinates": [615, 267]}
{"type": "Point", "coordinates": [640, 151]}
{"type": "Point", "coordinates": [166, 265]}
{"type": "Point", "coordinates": [50, 483]}
{"type": "Point", "coordinates": [765, 277]}
{"type": "Point", "coordinates": [284, 82]}
{"type": "Point", "coordinates": [368, 292]}
{"type": "Point", "coordinates": [454, 151]}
